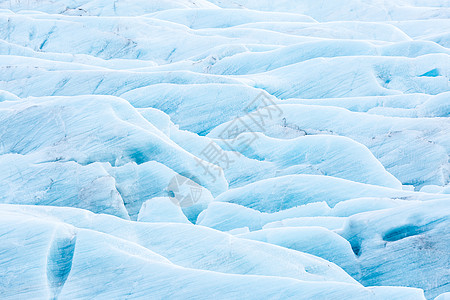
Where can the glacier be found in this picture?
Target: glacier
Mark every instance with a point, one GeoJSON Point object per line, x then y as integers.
{"type": "Point", "coordinates": [244, 149]}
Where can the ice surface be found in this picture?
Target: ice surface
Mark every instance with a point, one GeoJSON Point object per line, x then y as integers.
{"type": "Point", "coordinates": [86, 129]}
{"type": "Point", "coordinates": [311, 239]}
{"type": "Point", "coordinates": [59, 184]}
{"type": "Point", "coordinates": [284, 192]}
{"type": "Point", "coordinates": [224, 149]}
{"type": "Point", "coordinates": [161, 209]}
{"type": "Point", "coordinates": [406, 238]}
{"type": "Point", "coordinates": [326, 222]}
{"type": "Point", "coordinates": [443, 296]}
{"type": "Point", "coordinates": [322, 154]}
{"type": "Point", "coordinates": [387, 137]}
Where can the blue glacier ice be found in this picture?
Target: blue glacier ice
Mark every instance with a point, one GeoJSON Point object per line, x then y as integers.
{"type": "Point", "coordinates": [226, 149]}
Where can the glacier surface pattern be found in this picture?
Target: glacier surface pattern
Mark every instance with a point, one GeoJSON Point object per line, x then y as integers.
{"type": "Point", "coordinates": [224, 149]}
